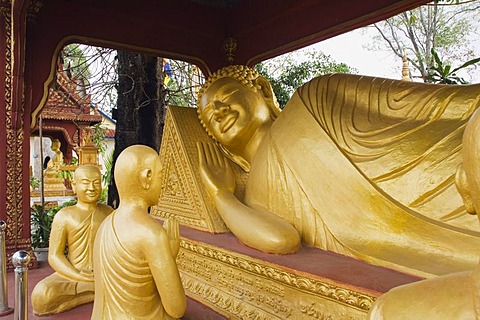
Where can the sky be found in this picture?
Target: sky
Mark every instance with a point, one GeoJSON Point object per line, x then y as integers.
{"type": "Point", "coordinates": [350, 48]}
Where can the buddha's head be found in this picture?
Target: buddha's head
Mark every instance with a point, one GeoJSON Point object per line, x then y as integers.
{"type": "Point", "coordinates": [233, 104]}
{"type": "Point", "coordinates": [55, 145]}
{"type": "Point", "coordinates": [87, 183]}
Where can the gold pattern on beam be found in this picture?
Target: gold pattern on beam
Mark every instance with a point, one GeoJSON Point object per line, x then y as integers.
{"type": "Point", "coordinates": [33, 9]}
{"type": "Point", "coordinates": [230, 48]}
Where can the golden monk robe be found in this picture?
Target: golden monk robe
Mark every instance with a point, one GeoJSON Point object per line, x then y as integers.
{"type": "Point", "coordinates": [73, 230]}
{"type": "Point", "coordinates": [136, 276]}
{"type": "Point", "coordinates": [454, 296]}
{"type": "Point", "coordinates": [356, 165]}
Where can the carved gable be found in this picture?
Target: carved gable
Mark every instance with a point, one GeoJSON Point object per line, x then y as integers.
{"type": "Point", "coordinates": [183, 195]}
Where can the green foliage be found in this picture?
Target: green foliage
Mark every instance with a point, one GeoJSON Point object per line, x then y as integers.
{"type": "Point", "coordinates": [182, 87]}
{"type": "Point", "coordinates": [288, 72]}
{"type": "Point", "coordinates": [98, 137]}
{"type": "Point", "coordinates": [41, 223]}
{"type": "Point", "coordinates": [34, 182]}
{"type": "Point", "coordinates": [68, 174]}
{"type": "Point", "coordinates": [444, 25]}
{"type": "Point", "coordinates": [444, 74]}
{"type": "Point", "coordinates": [108, 161]}
{"type": "Point", "coordinates": [76, 61]}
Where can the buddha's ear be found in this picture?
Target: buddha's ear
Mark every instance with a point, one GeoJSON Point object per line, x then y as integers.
{"type": "Point", "coordinates": [73, 186]}
{"type": "Point", "coordinates": [265, 87]}
{"type": "Point", "coordinates": [146, 178]}
{"type": "Point", "coordinates": [267, 91]}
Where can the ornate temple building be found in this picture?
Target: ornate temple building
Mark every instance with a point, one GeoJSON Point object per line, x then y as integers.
{"type": "Point", "coordinates": [67, 112]}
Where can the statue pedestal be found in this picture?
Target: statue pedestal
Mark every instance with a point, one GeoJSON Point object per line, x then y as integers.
{"type": "Point", "coordinates": [240, 282]}
{"type": "Point", "coordinates": [53, 180]}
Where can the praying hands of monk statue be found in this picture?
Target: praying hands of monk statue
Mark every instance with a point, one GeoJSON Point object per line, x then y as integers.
{"type": "Point", "coordinates": [355, 165]}
{"type": "Point", "coordinates": [71, 247]}
{"type": "Point", "coordinates": [136, 275]}
{"type": "Point", "coordinates": [453, 296]}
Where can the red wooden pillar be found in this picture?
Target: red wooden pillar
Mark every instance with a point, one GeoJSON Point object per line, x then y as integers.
{"type": "Point", "coordinates": [14, 128]}
{"type": "Point", "coordinates": [5, 66]}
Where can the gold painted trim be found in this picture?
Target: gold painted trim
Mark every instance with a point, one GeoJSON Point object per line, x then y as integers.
{"type": "Point", "coordinates": [14, 146]}
{"type": "Point", "coordinates": [34, 9]}
{"type": "Point", "coordinates": [64, 131]}
{"type": "Point", "coordinates": [6, 3]}
{"type": "Point", "coordinates": [330, 291]}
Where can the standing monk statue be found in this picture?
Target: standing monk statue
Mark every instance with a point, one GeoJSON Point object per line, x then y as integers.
{"type": "Point", "coordinates": [136, 276]}
{"type": "Point", "coordinates": [453, 296]}
{"type": "Point", "coordinates": [70, 251]}
{"type": "Point", "coordinates": [355, 165]}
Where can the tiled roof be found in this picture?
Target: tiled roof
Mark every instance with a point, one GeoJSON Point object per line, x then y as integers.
{"type": "Point", "coordinates": [66, 102]}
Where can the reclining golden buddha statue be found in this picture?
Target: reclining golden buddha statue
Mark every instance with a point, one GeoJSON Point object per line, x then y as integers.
{"type": "Point", "coordinates": [360, 166]}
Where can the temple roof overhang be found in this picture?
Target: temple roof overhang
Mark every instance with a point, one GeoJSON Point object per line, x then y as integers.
{"type": "Point", "coordinates": [209, 33]}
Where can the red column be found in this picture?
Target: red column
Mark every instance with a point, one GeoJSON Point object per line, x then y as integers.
{"type": "Point", "coordinates": [14, 130]}
{"type": "Point", "coordinates": [5, 65]}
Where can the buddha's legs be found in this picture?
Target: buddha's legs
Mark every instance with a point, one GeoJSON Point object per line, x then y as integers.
{"type": "Point", "coordinates": [56, 294]}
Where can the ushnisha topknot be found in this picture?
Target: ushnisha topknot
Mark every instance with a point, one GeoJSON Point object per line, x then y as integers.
{"type": "Point", "coordinates": [243, 74]}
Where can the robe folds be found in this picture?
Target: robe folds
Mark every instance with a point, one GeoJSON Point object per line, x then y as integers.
{"type": "Point", "coordinates": [365, 167]}
{"type": "Point", "coordinates": [56, 293]}
{"type": "Point", "coordinates": [115, 301]}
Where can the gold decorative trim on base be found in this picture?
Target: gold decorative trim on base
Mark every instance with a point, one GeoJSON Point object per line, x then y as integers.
{"type": "Point", "coordinates": [242, 287]}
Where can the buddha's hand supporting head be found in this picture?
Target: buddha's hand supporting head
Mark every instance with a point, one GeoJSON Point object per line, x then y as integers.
{"type": "Point", "coordinates": [215, 170]}
{"type": "Point", "coordinates": [173, 230]}
{"type": "Point", "coordinates": [233, 104]}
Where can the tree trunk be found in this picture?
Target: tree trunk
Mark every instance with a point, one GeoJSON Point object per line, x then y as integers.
{"type": "Point", "coordinates": [140, 107]}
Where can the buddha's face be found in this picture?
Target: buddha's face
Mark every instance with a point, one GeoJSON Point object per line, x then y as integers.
{"type": "Point", "coordinates": [232, 112]}
{"type": "Point", "coordinates": [87, 184]}
{"type": "Point", "coordinates": [55, 145]}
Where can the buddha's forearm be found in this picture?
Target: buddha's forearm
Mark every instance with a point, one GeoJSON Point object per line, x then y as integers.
{"type": "Point", "coordinates": [258, 229]}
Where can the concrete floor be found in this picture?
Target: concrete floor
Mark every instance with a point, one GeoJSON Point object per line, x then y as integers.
{"type": "Point", "coordinates": [195, 311]}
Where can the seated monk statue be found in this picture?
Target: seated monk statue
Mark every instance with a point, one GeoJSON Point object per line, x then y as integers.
{"type": "Point", "coordinates": [70, 251]}
{"type": "Point", "coordinates": [453, 296]}
{"type": "Point", "coordinates": [355, 165]}
{"type": "Point", "coordinates": [136, 275]}
{"type": "Point", "coordinates": [53, 179]}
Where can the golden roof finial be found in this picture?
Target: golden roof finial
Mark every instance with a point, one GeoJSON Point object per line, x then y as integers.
{"type": "Point", "coordinates": [405, 68]}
